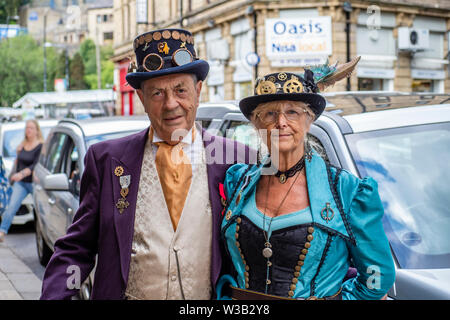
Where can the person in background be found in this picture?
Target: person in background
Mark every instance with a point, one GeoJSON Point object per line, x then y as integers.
{"type": "Point", "coordinates": [27, 156]}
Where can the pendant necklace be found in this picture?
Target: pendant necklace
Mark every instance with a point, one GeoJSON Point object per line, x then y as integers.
{"type": "Point", "coordinates": [267, 251]}
{"type": "Point", "coordinates": [284, 175]}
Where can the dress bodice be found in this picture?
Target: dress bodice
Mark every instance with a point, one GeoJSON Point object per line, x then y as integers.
{"type": "Point", "coordinates": [288, 235]}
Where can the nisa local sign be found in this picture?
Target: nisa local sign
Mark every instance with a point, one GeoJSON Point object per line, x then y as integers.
{"type": "Point", "coordinates": [296, 38]}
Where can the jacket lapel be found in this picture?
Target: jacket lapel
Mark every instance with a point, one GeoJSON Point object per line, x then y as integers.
{"type": "Point", "coordinates": [129, 164]}
{"type": "Point", "coordinates": [325, 212]}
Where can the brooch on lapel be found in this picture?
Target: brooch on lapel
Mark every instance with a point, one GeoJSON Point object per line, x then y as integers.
{"type": "Point", "coordinates": [125, 181]}
{"type": "Point", "coordinates": [325, 213]}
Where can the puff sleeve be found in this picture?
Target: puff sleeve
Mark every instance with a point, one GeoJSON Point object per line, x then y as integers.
{"type": "Point", "coordinates": [371, 254]}
{"type": "Point", "coordinates": [232, 177]}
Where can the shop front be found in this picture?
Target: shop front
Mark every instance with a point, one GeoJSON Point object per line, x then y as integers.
{"type": "Point", "coordinates": [428, 66]}
{"type": "Point", "coordinates": [126, 92]}
{"type": "Point", "coordinates": [376, 46]}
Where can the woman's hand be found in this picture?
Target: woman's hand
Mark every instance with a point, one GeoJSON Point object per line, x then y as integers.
{"type": "Point", "coordinates": [20, 175]}
{"type": "Point", "coordinates": [16, 177]}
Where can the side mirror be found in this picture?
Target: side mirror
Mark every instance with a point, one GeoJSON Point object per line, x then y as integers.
{"type": "Point", "coordinates": [56, 182]}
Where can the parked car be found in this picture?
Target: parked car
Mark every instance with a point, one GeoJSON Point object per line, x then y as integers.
{"type": "Point", "coordinates": [57, 176]}
{"type": "Point", "coordinates": [11, 134]}
{"type": "Point", "coordinates": [403, 142]}
{"type": "Point", "coordinates": [85, 113]}
{"type": "Point", "coordinates": [211, 114]}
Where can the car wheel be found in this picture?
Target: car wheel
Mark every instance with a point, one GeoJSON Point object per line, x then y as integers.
{"type": "Point", "coordinates": [43, 251]}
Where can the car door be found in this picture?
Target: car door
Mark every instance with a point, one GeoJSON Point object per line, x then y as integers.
{"type": "Point", "coordinates": [43, 199]}
{"type": "Point", "coordinates": [55, 218]}
{"type": "Point", "coordinates": [63, 204]}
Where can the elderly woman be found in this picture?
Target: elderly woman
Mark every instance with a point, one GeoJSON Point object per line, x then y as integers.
{"type": "Point", "coordinates": [294, 234]}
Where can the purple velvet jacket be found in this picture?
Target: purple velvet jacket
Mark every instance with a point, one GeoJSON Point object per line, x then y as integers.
{"type": "Point", "coordinates": [99, 228]}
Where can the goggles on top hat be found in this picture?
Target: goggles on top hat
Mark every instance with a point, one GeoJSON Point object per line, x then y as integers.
{"type": "Point", "coordinates": [154, 62]}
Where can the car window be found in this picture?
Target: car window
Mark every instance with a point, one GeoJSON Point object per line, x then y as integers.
{"type": "Point", "coordinates": [411, 167]}
{"type": "Point", "coordinates": [55, 151]}
{"type": "Point", "coordinates": [206, 123]}
{"type": "Point", "coordinates": [102, 137]}
{"type": "Point", "coordinates": [71, 166]}
{"type": "Point", "coordinates": [243, 132]}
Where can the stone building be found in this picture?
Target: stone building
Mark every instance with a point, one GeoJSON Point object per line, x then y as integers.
{"type": "Point", "coordinates": [66, 23]}
{"type": "Point", "coordinates": [100, 22]}
{"type": "Point", "coordinates": [404, 44]}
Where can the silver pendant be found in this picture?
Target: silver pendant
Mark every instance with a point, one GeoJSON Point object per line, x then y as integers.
{"type": "Point", "coordinates": [267, 253]}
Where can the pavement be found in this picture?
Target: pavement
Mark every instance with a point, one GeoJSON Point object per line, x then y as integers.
{"type": "Point", "coordinates": [17, 281]}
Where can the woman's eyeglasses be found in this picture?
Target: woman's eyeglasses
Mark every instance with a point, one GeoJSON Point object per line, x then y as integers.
{"type": "Point", "coordinates": [154, 62]}
{"type": "Point", "coordinates": [271, 116]}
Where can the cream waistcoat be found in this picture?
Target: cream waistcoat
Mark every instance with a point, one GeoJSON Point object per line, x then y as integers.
{"type": "Point", "coordinates": [168, 264]}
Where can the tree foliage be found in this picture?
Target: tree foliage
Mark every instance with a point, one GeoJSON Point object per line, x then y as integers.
{"type": "Point", "coordinates": [23, 68]}
{"type": "Point", "coordinates": [88, 54]}
{"type": "Point", "coordinates": [10, 8]}
{"type": "Point", "coordinates": [77, 70]}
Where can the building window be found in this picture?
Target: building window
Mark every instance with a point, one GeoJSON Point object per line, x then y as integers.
{"type": "Point", "coordinates": [427, 85]}
{"type": "Point", "coordinates": [99, 18]}
{"type": "Point", "coordinates": [419, 85]}
{"type": "Point", "coordinates": [374, 84]}
{"type": "Point", "coordinates": [107, 36]}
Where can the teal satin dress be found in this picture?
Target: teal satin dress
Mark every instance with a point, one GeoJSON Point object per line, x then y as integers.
{"type": "Point", "coordinates": [344, 228]}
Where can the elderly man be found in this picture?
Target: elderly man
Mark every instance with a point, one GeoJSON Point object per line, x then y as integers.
{"type": "Point", "coordinates": [150, 205]}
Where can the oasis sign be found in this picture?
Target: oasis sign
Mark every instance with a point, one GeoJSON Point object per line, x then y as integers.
{"type": "Point", "coordinates": [296, 38]}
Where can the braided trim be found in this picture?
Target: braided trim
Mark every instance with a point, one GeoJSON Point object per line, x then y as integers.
{"type": "Point", "coordinates": [337, 200]}
{"type": "Point", "coordinates": [322, 260]}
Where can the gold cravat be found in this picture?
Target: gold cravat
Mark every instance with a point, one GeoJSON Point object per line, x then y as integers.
{"type": "Point", "coordinates": [175, 174]}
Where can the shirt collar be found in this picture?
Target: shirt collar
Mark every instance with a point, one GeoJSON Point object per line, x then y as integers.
{"type": "Point", "coordinates": [187, 140]}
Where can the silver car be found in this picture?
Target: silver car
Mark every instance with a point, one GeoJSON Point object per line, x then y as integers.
{"type": "Point", "coordinates": [11, 134]}
{"type": "Point", "coordinates": [210, 114]}
{"type": "Point", "coordinates": [403, 142]}
{"type": "Point", "coordinates": [57, 176]}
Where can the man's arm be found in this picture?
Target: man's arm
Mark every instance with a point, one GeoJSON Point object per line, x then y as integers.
{"type": "Point", "coordinates": [74, 255]}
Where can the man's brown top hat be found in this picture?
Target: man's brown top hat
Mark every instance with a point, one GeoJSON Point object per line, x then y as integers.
{"type": "Point", "coordinates": [163, 52]}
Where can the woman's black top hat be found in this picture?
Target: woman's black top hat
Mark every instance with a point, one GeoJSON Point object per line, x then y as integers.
{"type": "Point", "coordinates": [285, 86]}
{"type": "Point", "coordinates": [163, 52]}
{"type": "Point", "coordinates": [295, 87]}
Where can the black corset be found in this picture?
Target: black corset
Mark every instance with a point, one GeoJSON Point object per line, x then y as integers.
{"type": "Point", "coordinates": [289, 248]}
